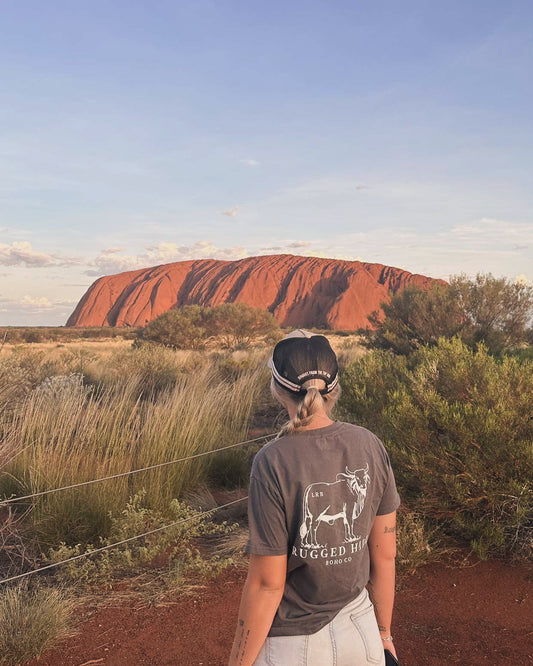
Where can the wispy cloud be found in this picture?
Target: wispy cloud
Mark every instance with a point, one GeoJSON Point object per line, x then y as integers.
{"type": "Point", "coordinates": [477, 246]}
{"type": "Point", "coordinates": [34, 304]}
{"type": "Point", "coordinates": [288, 247]}
{"type": "Point", "coordinates": [21, 253]}
{"type": "Point", "coordinates": [107, 262]}
{"type": "Point", "coordinates": [489, 231]}
{"type": "Point", "coordinates": [250, 162]}
{"type": "Point", "coordinates": [231, 212]}
{"type": "Point", "coordinates": [299, 244]}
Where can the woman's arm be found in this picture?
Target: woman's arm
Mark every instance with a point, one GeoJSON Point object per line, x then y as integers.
{"type": "Point", "coordinates": [260, 599]}
{"type": "Point", "coordinates": [382, 549]}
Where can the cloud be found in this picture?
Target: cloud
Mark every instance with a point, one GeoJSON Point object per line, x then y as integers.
{"type": "Point", "coordinates": [231, 212]}
{"type": "Point", "coordinates": [33, 304]}
{"type": "Point", "coordinates": [21, 253]}
{"type": "Point", "coordinates": [107, 263]}
{"type": "Point", "coordinates": [290, 247]}
{"type": "Point", "coordinates": [250, 162]}
{"type": "Point", "coordinates": [298, 244]}
{"type": "Point", "coordinates": [479, 246]}
{"type": "Point", "coordinates": [488, 231]}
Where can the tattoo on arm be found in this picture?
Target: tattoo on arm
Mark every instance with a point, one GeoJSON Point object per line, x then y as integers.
{"type": "Point", "coordinates": [241, 641]}
{"type": "Point", "coordinates": [381, 627]}
{"type": "Point", "coordinates": [244, 647]}
{"type": "Point", "coordinates": [389, 530]}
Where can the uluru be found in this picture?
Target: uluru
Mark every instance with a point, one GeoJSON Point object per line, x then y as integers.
{"type": "Point", "coordinates": [299, 291]}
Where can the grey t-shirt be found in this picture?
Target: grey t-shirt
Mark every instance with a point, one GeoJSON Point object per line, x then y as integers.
{"type": "Point", "coordinates": [314, 496]}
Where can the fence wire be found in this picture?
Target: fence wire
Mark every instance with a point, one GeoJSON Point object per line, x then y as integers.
{"type": "Point", "coordinates": [129, 473]}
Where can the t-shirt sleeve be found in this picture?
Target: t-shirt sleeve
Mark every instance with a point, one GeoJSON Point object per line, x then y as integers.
{"type": "Point", "coordinates": [267, 524]}
{"type": "Point", "coordinates": [390, 500]}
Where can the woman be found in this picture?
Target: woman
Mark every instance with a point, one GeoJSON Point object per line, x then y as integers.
{"type": "Point", "coordinates": [322, 513]}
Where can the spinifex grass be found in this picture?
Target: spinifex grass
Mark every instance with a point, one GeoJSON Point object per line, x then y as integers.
{"type": "Point", "coordinates": [32, 621]}
{"type": "Point", "coordinates": [68, 433]}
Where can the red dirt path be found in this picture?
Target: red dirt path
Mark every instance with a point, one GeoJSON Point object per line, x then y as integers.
{"type": "Point", "coordinates": [480, 614]}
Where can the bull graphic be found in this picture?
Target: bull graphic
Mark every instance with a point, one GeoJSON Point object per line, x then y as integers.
{"type": "Point", "coordinates": [328, 502]}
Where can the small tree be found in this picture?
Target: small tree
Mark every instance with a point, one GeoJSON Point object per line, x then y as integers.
{"type": "Point", "coordinates": [237, 324]}
{"type": "Point", "coordinates": [494, 311]}
{"type": "Point", "coordinates": [497, 311]}
{"type": "Point", "coordinates": [183, 328]}
{"type": "Point", "coordinates": [191, 326]}
{"type": "Point", "coordinates": [415, 317]}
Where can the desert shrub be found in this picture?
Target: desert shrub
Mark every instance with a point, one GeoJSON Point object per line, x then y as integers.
{"type": "Point", "coordinates": [177, 544]}
{"type": "Point", "coordinates": [20, 372]}
{"type": "Point", "coordinates": [457, 424]}
{"type": "Point", "coordinates": [488, 310]}
{"type": "Point", "coordinates": [32, 620]}
{"type": "Point", "coordinates": [32, 335]}
{"type": "Point", "coordinates": [415, 317]}
{"type": "Point", "coordinates": [183, 328]}
{"type": "Point", "coordinates": [417, 542]}
{"type": "Point", "coordinates": [232, 325]}
{"type": "Point", "coordinates": [20, 334]}
{"type": "Point", "coordinates": [497, 311]}
{"type": "Point", "coordinates": [238, 324]}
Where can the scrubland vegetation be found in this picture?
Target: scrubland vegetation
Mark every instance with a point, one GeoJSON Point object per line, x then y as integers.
{"type": "Point", "coordinates": [453, 407]}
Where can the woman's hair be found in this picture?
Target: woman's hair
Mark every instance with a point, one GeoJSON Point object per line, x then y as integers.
{"type": "Point", "coordinates": [308, 405]}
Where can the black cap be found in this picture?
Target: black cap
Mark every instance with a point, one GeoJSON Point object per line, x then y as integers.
{"type": "Point", "coordinates": [302, 356]}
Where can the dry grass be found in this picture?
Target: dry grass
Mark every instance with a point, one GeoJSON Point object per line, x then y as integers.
{"type": "Point", "coordinates": [32, 621]}
{"type": "Point", "coordinates": [143, 407]}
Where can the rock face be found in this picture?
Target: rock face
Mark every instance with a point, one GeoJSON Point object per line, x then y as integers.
{"type": "Point", "coordinates": [299, 291]}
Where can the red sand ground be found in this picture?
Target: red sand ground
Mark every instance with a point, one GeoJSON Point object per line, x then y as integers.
{"type": "Point", "coordinates": [481, 614]}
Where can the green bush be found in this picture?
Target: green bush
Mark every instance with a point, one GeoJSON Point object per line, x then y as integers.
{"type": "Point", "coordinates": [175, 543]}
{"type": "Point", "coordinates": [488, 310]}
{"type": "Point", "coordinates": [183, 328]}
{"type": "Point", "coordinates": [457, 424]}
{"type": "Point", "coordinates": [237, 324]}
{"type": "Point", "coordinates": [232, 325]}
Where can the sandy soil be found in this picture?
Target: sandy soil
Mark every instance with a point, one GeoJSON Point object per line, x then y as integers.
{"type": "Point", "coordinates": [479, 614]}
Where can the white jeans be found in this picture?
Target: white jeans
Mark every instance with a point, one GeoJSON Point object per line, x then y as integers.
{"type": "Point", "coordinates": [350, 639]}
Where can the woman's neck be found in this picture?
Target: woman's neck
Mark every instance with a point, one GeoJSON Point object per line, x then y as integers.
{"type": "Point", "coordinates": [319, 419]}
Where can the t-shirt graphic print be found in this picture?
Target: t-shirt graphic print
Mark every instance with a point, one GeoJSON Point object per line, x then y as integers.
{"type": "Point", "coordinates": [313, 497]}
{"type": "Point", "coordinates": [337, 503]}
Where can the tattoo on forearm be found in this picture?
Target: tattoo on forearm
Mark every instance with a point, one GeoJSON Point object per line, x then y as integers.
{"type": "Point", "coordinates": [390, 529]}
{"type": "Point", "coordinates": [382, 628]}
{"type": "Point", "coordinates": [240, 641]}
{"type": "Point", "coordinates": [244, 647]}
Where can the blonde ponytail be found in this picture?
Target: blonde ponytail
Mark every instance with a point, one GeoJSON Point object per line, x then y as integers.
{"type": "Point", "coordinates": [308, 406]}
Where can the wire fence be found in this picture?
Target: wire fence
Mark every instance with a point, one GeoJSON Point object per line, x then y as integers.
{"type": "Point", "coordinates": [116, 476]}
{"type": "Point", "coordinates": [123, 541]}
{"type": "Point", "coordinates": [12, 500]}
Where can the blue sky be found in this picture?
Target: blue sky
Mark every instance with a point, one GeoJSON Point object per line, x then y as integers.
{"type": "Point", "coordinates": [138, 133]}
